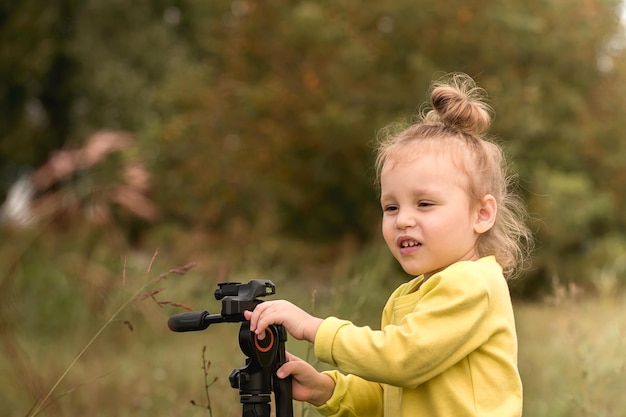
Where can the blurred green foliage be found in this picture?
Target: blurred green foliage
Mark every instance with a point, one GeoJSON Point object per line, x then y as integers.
{"type": "Point", "coordinates": [256, 118]}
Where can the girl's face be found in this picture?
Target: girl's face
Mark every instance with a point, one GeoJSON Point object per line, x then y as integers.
{"type": "Point", "coordinates": [428, 221]}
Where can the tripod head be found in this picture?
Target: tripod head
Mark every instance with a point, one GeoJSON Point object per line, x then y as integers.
{"type": "Point", "coordinates": [257, 378]}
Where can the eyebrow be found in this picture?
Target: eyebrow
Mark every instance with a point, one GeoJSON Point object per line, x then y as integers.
{"type": "Point", "coordinates": [421, 189]}
{"type": "Point", "coordinates": [417, 192]}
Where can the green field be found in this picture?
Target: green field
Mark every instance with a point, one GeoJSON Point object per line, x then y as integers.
{"type": "Point", "coordinates": [571, 348]}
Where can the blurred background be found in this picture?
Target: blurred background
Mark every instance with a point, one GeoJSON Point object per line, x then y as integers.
{"type": "Point", "coordinates": [136, 138]}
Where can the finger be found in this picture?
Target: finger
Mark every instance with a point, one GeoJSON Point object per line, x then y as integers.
{"type": "Point", "coordinates": [287, 369]}
{"type": "Point", "coordinates": [291, 357]}
{"type": "Point", "coordinates": [257, 322]}
{"type": "Point", "coordinates": [254, 316]}
{"type": "Point", "coordinates": [264, 314]}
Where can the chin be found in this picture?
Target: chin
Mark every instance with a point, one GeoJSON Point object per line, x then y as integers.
{"type": "Point", "coordinates": [413, 271]}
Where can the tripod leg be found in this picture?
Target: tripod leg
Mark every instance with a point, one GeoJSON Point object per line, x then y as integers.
{"type": "Point", "coordinates": [256, 410]}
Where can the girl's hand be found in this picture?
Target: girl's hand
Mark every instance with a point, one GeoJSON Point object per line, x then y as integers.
{"type": "Point", "coordinates": [307, 384]}
{"type": "Point", "coordinates": [296, 321]}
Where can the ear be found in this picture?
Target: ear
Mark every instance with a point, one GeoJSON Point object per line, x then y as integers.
{"type": "Point", "coordinates": [485, 214]}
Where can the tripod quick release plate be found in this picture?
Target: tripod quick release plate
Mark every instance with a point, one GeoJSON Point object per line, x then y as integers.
{"type": "Point", "coordinates": [237, 297]}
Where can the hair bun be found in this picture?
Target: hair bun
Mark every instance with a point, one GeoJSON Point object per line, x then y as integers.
{"type": "Point", "coordinates": [459, 104]}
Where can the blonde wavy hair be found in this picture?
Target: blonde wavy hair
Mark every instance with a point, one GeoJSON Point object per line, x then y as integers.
{"type": "Point", "coordinates": [455, 124]}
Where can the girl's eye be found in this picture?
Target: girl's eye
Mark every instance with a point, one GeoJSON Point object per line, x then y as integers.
{"type": "Point", "coordinates": [390, 208]}
{"type": "Point", "coordinates": [424, 204]}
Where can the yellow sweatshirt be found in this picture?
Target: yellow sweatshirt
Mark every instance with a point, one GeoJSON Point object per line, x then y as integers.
{"type": "Point", "coordinates": [447, 348]}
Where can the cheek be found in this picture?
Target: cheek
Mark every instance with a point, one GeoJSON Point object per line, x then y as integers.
{"type": "Point", "coordinates": [387, 231]}
{"type": "Point", "coordinates": [383, 228]}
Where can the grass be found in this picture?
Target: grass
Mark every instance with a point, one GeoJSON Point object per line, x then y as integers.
{"type": "Point", "coordinates": [572, 357]}
{"type": "Point", "coordinates": [571, 347]}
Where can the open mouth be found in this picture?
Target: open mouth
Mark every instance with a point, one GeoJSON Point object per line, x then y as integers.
{"type": "Point", "coordinates": [409, 243]}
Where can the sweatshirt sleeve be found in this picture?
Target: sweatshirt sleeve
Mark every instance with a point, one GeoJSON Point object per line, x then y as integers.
{"type": "Point", "coordinates": [430, 331]}
{"type": "Point", "coordinates": [352, 397]}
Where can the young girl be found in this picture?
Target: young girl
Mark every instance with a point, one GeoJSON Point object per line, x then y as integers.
{"type": "Point", "coordinates": [447, 344]}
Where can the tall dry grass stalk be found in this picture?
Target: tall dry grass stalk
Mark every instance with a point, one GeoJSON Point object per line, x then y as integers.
{"type": "Point", "coordinates": [143, 293]}
{"type": "Point", "coordinates": [206, 365]}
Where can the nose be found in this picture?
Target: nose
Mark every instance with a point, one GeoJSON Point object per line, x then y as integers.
{"type": "Point", "coordinates": [405, 219]}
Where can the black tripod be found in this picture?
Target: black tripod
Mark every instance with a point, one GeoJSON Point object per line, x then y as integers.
{"type": "Point", "coordinates": [257, 378]}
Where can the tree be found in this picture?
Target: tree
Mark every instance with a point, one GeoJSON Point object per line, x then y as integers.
{"type": "Point", "coordinates": [300, 90]}
{"type": "Point", "coordinates": [37, 73]}
{"type": "Point", "coordinates": [261, 115]}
